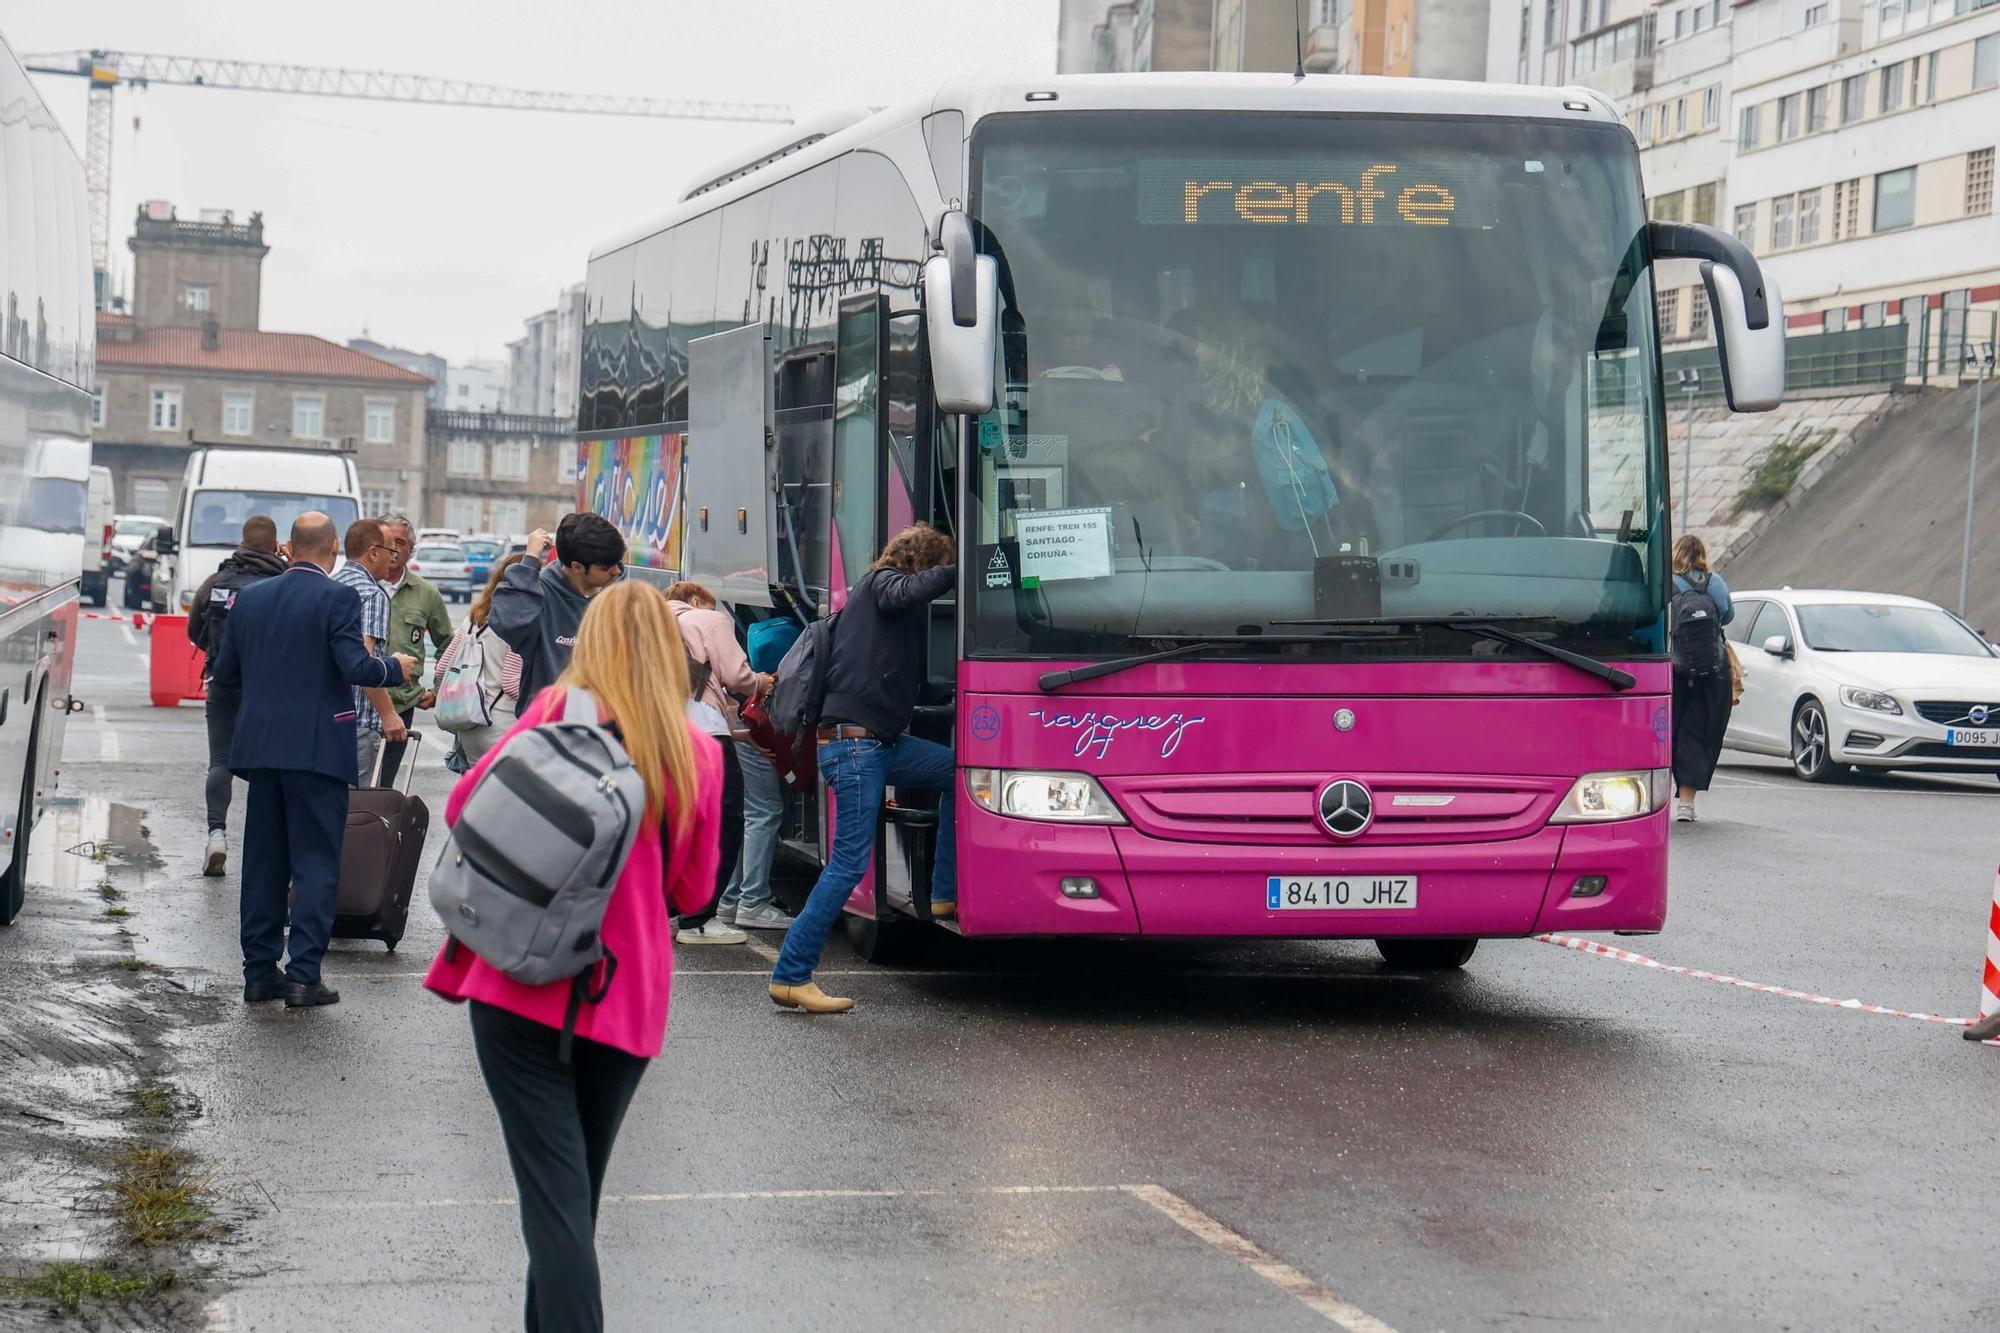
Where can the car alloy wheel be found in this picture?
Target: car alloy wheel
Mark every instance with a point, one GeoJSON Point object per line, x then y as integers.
{"type": "Point", "coordinates": [1811, 757]}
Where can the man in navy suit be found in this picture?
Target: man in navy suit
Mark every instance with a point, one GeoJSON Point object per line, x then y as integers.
{"type": "Point", "coordinates": [293, 650]}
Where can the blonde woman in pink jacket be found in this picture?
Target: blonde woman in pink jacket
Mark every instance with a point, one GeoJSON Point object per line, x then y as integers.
{"type": "Point", "coordinates": [712, 649]}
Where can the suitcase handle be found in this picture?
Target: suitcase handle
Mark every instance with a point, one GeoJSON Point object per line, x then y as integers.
{"type": "Point", "coordinates": [410, 749]}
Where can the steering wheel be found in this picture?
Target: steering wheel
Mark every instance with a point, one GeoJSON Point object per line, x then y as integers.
{"type": "Point", "coordinates": [1479, 514]}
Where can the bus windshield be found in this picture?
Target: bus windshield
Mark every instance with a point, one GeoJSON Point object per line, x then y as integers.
{"type": "Point", "coordinates": [219, 515]}
{"type": "Point", "coordinates": [1266, 370]}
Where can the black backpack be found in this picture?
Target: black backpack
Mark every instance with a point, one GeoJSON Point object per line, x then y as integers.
{"type": "Point", "coordinates": [231, 579]}
{"type": "Point", "coordinates": [1694, 630]}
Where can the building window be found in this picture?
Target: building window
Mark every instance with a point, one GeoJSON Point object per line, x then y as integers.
{"type": "Point", "coordinates": [1781, 222]}
{"type": "Point", "coordinates": [309, 417]}
{"type": "Point", "coordinates": [1847, 210]}
{"type": "Point", "coordinates": [1746, 127]}
{"type": "Point", "coordinates": [1892, 88]}
{"type": "Point", "coordinates": [1643, 129]}
{"type": "Point", "coordinates": [569, 454]}
{"type": "Point", "coordinates": [97, 406]}
{"type": "Point", "coordinates": [237, 410]}
{"type": "Point", "coordinates": [1551, 22]}
{"type": "Point", "coordinates": [1746, 224]}
{"type": "Point", "coordinates": [1835, 321]}
{"type": "Point", "coordinates": [196, 298]}
{"type": "Point", "coordinates": [1681, 116]}
{"type": "Point", "coordinates": [1986, 61]}
{"type": "Point", "coordinates": [1711, 107]}
{"type": "Point", "coordinates": [1670, 314]}
{"type": "Point", "coordinates": [1895, 199]}
{"type": "Point", "coordinates": [380, 421]}
{"type": "Point", "coordinates": [1789, 124]}
{"type": "Point", "coordinates": [510, 517]}
{"type": "Point", "coordinates": [1704, 205]}
{"type": "Point", "coordinates": [510, 460]}
{"type": "Point", "coordinates": [1698, 313]}
{"type": "Point", "coordinates": [1853, 98]}
{"type": "Point", "coordinates": [465, 458]}
{"type": "Point", "coordinates": [1979, 182]}
{"type": "Point", "coordinates": [1930, 79]}
{"type": "Point", "coordinates": [166, 409]}
{"type": "Point", "coordinates": [1809, 217]}
{"type": "Point", "coordinates": [1815, 15]}
{"type": "Point", "coordinates": [1892, 14]}
{"type": "Point", "coordinates": [1875, 314]}
{"type": "Point", "coordinates": [466, 513]}
{"type": "Point", "coordinates": [1815, 109]}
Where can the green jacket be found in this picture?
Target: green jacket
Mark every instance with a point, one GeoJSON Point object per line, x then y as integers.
{"type": "Point", "coordinates": [416, 611]}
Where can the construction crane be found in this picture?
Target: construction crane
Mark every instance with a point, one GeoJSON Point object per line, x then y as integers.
{"type": "Point", "coordinates": [106, 70]}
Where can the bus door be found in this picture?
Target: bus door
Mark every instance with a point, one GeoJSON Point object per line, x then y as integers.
{"type": "Point", "coordinates": [880, 488]}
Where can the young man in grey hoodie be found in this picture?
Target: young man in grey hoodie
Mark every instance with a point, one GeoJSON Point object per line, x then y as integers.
{"type": "Point", "coordinates": [537, 606]}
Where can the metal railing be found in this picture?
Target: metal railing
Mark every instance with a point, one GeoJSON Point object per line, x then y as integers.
{"type": "Point", "coordinates": [1930, 352]}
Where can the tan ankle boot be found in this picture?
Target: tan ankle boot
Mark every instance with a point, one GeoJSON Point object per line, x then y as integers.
{"type": "Point", "coordinates": [810, 998]}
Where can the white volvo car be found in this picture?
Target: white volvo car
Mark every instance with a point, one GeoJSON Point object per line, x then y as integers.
{"type": "Point", "coordinates": [1839, 680]}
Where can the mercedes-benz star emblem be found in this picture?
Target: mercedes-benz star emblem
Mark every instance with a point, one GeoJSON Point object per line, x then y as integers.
{"type": "Point", "coordinates": [1344, 720]}
{"type": "Point", "coordinates": [1346, 808]}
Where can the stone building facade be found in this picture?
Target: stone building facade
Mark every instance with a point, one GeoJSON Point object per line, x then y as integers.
{"type": "Point", "coordinates": [499, 472]}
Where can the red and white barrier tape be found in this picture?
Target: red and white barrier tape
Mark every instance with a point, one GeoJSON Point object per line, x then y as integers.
{"type": "Point", "coordinates": [1640, 960]}
{"type": "Point", "coordinates": [102, 615]}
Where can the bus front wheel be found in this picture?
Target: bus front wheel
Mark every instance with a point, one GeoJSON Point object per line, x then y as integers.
{"type": "Point", "coordinates": [884, 943]}
{"type": "Point", "coordinates": [1426, 955]}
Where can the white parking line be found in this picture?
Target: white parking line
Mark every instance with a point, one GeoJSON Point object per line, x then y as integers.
{"type": "Point", "coordinates": [107, 736]}
{"type": "Point", "coordinates": [1234, 1244]}
{"type": "Point", "coordinates": [130, 637]}
{"type": "Point", "coordinates": [1260, 1261]}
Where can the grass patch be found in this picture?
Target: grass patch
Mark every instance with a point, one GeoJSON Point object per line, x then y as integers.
{"type": "Point", "coordinates": [116, 913]}
{"type": "Point", "coordinates": [134, 965]}
{"type": "Point", "coordinates": [109, 892]}
{"type": "Point", "coordinates": [158, 1198]}
{"type": "Point", "coordinates": [1776, 469]}
{"type": "Point", "coordinates": [70, 1285]}
{"type": "Point", "coordinates": [153, 1101]}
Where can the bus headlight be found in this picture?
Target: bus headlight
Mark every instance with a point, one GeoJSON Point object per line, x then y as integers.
{"type": "Point", "coordinates": [1057, 798]}
{"type": "Point", "coordinates": [1601, 797]}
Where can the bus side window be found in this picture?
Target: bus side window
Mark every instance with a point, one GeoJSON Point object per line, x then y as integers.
{"type": "Point", "coordinates": [857, 436]}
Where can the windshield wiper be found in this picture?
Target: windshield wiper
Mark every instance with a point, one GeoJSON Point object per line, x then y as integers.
{"type": "Point", "coordinates": [1185, 645]}
{"type": "Point", "coordinates": [1489, 627]}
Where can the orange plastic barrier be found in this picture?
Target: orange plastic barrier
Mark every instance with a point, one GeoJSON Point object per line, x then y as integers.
{"type": "Point", "coordinates": [176, 663]}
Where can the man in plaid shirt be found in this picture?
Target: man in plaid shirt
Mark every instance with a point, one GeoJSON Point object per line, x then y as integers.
{"type": "Point", "coordinates": [369, 560]}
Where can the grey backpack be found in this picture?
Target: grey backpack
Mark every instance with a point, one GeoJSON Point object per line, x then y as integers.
{"type": "Point", "coordinates": [530, 865]}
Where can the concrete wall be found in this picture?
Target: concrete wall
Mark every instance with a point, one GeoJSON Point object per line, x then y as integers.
{"type": "Point", "coordinates": [1450, 39]}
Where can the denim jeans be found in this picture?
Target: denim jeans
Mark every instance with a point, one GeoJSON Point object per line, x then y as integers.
{"type": "Point", "coordinates": [858, 772]}
{"type": "Point", "coordinates": [221, 716]}
{"type": "Point", "coordinates": [763, 811]}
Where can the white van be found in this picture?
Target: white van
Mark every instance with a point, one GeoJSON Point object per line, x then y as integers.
{"type": "Point", "coordinates": [45, 538]}
{"type": "Point", "coordinates": [100, 505]}
{"type": "Point", "coordinates": [224, 486]}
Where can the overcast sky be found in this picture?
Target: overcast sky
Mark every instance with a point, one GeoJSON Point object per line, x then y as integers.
{"type": "Point", "coordinates": [440, 228]}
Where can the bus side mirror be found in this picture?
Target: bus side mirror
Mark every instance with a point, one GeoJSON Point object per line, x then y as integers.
{"type": "Point", "coordinates": [1749, 314]}
{"type": "Point", "coordinates": [962, 318]}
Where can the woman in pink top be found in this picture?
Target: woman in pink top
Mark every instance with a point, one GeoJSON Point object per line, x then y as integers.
{"type": "Point", "coordinates": [561, 1119]}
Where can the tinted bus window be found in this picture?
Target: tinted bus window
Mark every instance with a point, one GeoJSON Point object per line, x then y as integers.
{"type": "Point", "coordinates": [740, 273]}
{"type": "Point", "coordinates": [881, 230]}
{"type": "Point", "coordinates": [801, 224]}
{"type": "Point", "coordinates": [606, 338]}
{"type": "Point", "coordinates": [652, 285]}
{"type": "Point", "coordinates": [695, 244]}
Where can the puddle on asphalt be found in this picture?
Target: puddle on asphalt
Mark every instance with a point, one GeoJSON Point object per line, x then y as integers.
{"type": "Point", "coordinates": [91, 829]}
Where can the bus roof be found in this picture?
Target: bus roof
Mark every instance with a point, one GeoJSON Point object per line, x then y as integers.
{"type": "Point", "coordinates": [843, 132]}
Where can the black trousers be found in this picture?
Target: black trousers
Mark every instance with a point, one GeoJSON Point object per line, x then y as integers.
{"type": "Point", "coordinates": [1701, 716]}
{"type": "Point", "coordinates": [293, 824]}
{"type": "Point", "coordinates": [560, 1122]}
{"type": "Point", "coordinates": [392, 752]}
{"type": "Point", "coordinates": [221, 717]}
{"type": "Point", "coordinates": [732, 832]}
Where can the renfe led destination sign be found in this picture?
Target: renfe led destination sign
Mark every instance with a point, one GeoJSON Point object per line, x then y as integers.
{"type": "Point", "coordinates": [1355, 192]}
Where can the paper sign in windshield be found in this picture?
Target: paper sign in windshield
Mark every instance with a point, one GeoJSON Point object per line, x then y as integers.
{"type": "Point", "coordinates": [1064, 543]}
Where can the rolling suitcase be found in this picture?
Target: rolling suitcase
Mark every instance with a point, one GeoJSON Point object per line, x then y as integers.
{"type": "Point", "coordinates": [379, 856]}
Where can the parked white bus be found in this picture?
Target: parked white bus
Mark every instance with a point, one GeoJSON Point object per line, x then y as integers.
{"type": "Point", "coordinates": [48, 354]}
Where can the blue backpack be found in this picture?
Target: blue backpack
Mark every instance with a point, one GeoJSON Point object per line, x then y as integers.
{"type": "Point", "coordinates": [770, 640]}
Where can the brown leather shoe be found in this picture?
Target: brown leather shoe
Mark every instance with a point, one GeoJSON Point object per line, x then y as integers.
{"type": "Point", "coordinates": [810, 998]}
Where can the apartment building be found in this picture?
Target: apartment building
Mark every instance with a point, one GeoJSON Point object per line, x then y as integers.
{"type": "Point", "coordinates": [1849, 143]}
{"type": "Point", "coordinates": [500, 472]}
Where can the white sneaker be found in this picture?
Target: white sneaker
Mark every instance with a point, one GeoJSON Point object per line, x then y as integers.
{"type": "Point", "coordinates": [218, 854]}
{"type": "Point", "coordinates": [1684, 813]}
{"type": "Point", "coordinates": [711, 931]}
{"type": "Point", "coordinates": [768, 917]}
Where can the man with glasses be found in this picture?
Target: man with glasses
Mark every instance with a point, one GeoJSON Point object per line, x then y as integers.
{"type": "Point", "coordinates": [416, 612]}
{"type": "Point", "coordinates": [537, 606]}
{"type": "Point", "coordinates": [369, 560]}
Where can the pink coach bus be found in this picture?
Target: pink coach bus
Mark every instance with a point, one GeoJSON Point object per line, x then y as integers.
{"type": "Point", "coordinates": [1304, 444]}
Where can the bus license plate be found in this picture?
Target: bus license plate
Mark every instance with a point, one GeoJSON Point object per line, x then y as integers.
{"type": "Point", "coordinates": [1982, 738]}
{"type": "Point", "coordinates": [1319, 893]}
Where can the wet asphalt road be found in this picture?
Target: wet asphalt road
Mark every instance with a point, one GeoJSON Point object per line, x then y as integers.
{"type": "Point", "coordinates": [1162, 1137]}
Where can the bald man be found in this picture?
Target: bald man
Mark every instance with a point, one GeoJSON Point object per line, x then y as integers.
{"type": "Point", "coordinates": [292, 649]}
